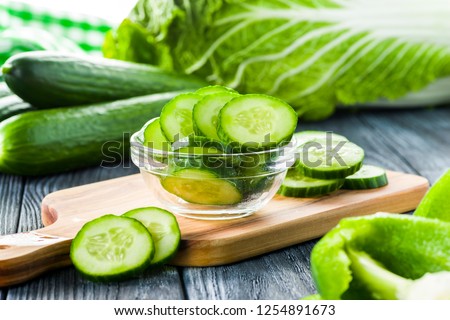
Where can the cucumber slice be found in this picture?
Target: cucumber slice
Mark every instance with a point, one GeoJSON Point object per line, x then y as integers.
{"type": "Point", "coordinates": [322, 159]}
{"type": "Point", "coordinates": [112, 248]}
{"type": "Point", "coordinates": [206, 91]}
{"type": "Point", "coordinates": [257, 121]}
{"type": "Point", "coordinates": [176, 116]}
{"type": "Point", "coordinates": [306, 136]}
{"type": "Point", "coordinates": [201, 186]}
{"type": "Point", "coordinates": [154, 137]}
{"type": "Point", "coordinates": [163, 227]}
{"type": "Point", "coordinates": [199, 151]}
{"type": "Point", "coordinates": [206, 113]}
{"type": "Point", "coordinates": [297, 185]}
{"type": "Point", "coordinates": [368, 177]}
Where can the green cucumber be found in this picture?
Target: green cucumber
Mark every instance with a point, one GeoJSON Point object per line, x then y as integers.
{"type": "Point", "coordinates": [112, 248]}
{"type": "Point", "coordinates": [368, 177]}
{"type": "Point", "coordinates": [4, 90]}
{"type": "Point", "coordinates": [206, 91]}
{"type": "Point", "coordinates": [305, 136]}
{"type": "Point", "coordinates": [154, 137]}
{"type": "Point", "coordinates": [176, 116]}
{"type": "Point", "coordinates": [297, 185]}
{"type": "Point", "coordinates": [51, 79]}
{"type": "Point", "coordinates": [61, 139]}
{"type": "Point", "coordinates": [206, 113]}
{"type": "Point", "coordinates": [164, 229]}
{"type": "Point", "coordinates": [12, 105]}
{"type": "Point", "coordinates": [201, 186]}
{"type": "Point", "coordinates": [322, 159]}
{"type": "Point", "coordinates": [256, 121]}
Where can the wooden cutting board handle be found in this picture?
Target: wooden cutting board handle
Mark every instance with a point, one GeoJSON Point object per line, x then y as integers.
{"type": "Point", "coordinates": [29, 254]}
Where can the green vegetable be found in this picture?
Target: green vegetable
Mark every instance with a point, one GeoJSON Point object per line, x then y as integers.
{"type": "Point", "coordinates": [176, 116]}
{"type": "Point", "coordinates": [368, 177]}
{"type": "Point", "coordinates": [256, 121]}
{"type": "Point", "coordinates": [206, 91]}
{"type": "Point", "coordinates": [297, 185]}
{"type": "Point", "coordinates": [164, 229]}
{"type": "Point", "coordinates": [112, 248]}
{"type": "Point", "coordinates": [323, 159]}
{"type": "Point", "coordinates": [206, 113]}
{"type": "Point", "coordinates": [368, 257]}
{"type": "Point", "coordinates": [312, 54]}
{"type": "Point", "coordinates": [306, 136]}
{"type": "Point", "coordinates": [154, 137]}
{"type": "Point", "coordinates": [51, 79]}
{"type": "Point", "coordinates": [56, 140]}
{"type": "Point", "coordinates": [12, 105]}
{"type": "Point", "coordinates": [202, 186]}
{"type": "Point", "coordinates": [436, 202]}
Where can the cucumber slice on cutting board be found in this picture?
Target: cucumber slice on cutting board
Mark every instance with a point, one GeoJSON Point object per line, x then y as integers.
{"type": "Point", "coordinates": [206, 113]}
{"type": "Point", "coordinates": [201, 186]}
{"type": "Point", "coordinates": [176, 116]}
{"type": "Point", "coordinates": [112, 248]}
{"type": "Point", "coordinates": [305, 136]}
{"type": "Point", "coordinates": [322, 159]}
{"type": "Point", "coordinates": [297, 185]}
{"type": "Point", "coordinates": [368, 177]}
{"type": "Point", "coordinates": [256, 121]}
{"type": "Point", "coordinates": [163, 227]}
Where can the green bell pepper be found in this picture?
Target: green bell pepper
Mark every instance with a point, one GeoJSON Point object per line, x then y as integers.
{"type": "Point", "coordinates": [376, 257]}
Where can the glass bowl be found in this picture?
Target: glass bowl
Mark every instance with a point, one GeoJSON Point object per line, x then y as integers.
{"type": "Point", "coordinates": [211, 184]}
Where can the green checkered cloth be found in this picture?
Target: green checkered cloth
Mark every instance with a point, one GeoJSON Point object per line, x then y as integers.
{"type": "Point", "coordinates": [86, 31]}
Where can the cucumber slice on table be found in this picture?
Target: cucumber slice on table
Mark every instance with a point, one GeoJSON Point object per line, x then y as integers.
{"type": "Point", "coordinates": [205, 91]}
{"type": "Point", "coordinates": [112, 248]}
{"type": "Point", "coordinates": [206, 113]}
{"type": "Point", "coordinates": [176, 116]}
{"type": "Point", "coordinates": [368, 177]}
{"type": "Point", "coordinates": [154, 137]}
{"type": "Point", "coordinates": [321, 159]}
{"type": "Point", "coordinates": [256, 120]}
{"type": "Point", "coordinates": [297, 185]}
{"type": "Point", "coordinates": [201, 186]}
{"type": "Point", "coordinates": [163, 227]}
{"type": "Point", "coordinates": [306, 136]}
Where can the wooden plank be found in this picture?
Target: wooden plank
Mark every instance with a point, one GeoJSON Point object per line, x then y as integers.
{"type": "Point", "coordinates": [10, 199]}
{"type": "Point", "coordinates": [420, 137]}
{"type": "Point", "coordinates": [284, 274]}
{"type": "Point", "coordinates": [67, 283]}
{"type": "Point", "coordinates": [11, 190]}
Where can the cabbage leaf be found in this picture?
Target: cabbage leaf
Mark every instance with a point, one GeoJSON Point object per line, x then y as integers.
{"type": "Point", "coordinates": [314, 54]}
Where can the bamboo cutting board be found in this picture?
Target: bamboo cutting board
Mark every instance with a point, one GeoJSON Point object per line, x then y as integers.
{"type": "Point", "coordinates": [283, 222]}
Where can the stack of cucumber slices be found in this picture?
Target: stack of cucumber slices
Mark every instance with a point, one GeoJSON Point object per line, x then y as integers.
{"type": "Point", "coordinates": [224, 143]}
{"type": "Point", "coordinates": [118, 247]}
{"type": "Point", "coordinates": [328, 162]}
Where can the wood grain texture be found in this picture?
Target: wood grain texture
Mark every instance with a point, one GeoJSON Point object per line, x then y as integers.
{"type": "Point", "coordinates": [283, 222]}
{"type": "Point", "coordinates": [284, 274]}
{"type": "Point", "coordinates": [67, 284]}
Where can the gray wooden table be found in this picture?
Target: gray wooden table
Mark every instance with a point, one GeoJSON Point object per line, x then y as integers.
{"type": "Point", "coordinates": [414, 141]}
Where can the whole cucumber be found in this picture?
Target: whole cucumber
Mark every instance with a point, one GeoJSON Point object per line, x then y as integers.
{"type": "Point", "coordinates": [53, 79]}
{"type": "Point", "coordinates": [56, 140]}
{"type": "Point", "coordinates": [12, 105]}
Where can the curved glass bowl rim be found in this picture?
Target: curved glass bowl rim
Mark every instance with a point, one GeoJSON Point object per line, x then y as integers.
{"type": "Point", "coordinates": [136, 141]}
